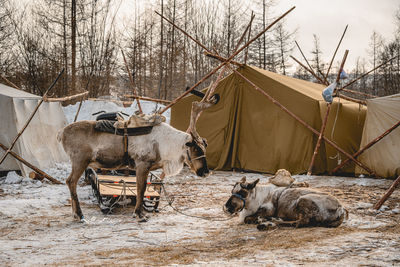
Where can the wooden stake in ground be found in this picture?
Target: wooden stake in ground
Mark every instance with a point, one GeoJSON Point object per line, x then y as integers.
{"type": "Point", "coordinates": [36, 169]}
{"type": "Point", "coordinates": [325, 119]}
{"type": "Point", "coordinates": [387, 194]}
{"type": "Point", "coordinates": [31, 117]}
{"type": "Point", "coordinates": [373, 142]}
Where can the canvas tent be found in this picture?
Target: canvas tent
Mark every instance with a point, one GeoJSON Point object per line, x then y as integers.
{"type": "Point", "coordinates": [38, 144]}
{"type": "Point", "coordinates": [247, 131]}
{"type": "Point", "coordinates": [384, 156]}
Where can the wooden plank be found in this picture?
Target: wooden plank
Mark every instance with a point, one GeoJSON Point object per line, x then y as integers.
{"type": "Point", "coordinates": [113, 178]}
{"type": "Point", "coordinates": [116, 187]}
{"type": "Point", "coordinates": [130, 190]}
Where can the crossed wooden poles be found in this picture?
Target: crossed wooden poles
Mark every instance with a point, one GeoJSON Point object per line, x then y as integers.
{"type": "Point", "coordinates": [16, 156]}
{"type": "Point", "coordinates": [228, 60]}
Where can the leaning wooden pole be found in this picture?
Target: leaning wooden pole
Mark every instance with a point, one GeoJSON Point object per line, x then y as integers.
{"type": "Point", "coordinates": [36, 169]}
{"type": "Point", "coordinates": [274, 101]}
{"type": "Point", "coordinates": [316, 149]}
{"type": "Point", "coordinates": [367, 146]}
{"type": "Point", "coordinates": [387, 194]}
{"type": "Point", "coordinates": [304, 57]}
{"type": "Point", "coordinates": [317, 146]}
{"type": "Point", "coordinates": [10, 82]}
{"type": "Point", "coordinates": [31, 117]}
{"type": "Point", "coordinates": [210, 92]}
{"type": "Point", "coordinates": [248, 38]}
{"type": "Point", "coordinates": [368, 72]}
{"type": "Point", "coordinates": [67, 98]}
{"type": "Point", "coordinates": [309, 70]}
{"type": "Point", "coordinates": [334, 54]}
{"type": "Point", "coordinates": [227, 61]}
{"type": "Point", "coordinates": [132, 82]}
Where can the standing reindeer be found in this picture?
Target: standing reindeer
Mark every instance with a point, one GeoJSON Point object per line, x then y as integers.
{"type": "Point", "coordinates": [164, 147]}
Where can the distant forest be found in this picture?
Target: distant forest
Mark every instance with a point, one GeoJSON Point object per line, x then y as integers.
{"type": "Point", "coordinates": [85, 38]}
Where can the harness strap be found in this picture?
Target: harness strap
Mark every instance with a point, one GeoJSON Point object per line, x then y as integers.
{"type": "Point", "coordinates": [126, 155]}
{"type": "Point", "coordinates": [242, 199]}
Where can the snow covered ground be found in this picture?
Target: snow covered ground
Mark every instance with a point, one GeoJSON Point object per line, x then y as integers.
{"type": "Point", "coordinates": [37, 228]}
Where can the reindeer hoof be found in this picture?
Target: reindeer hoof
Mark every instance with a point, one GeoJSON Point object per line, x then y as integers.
{"type": "Point", "coordinates": [140, 217]}
{"type": "Point", "coordinates": [266, 226]}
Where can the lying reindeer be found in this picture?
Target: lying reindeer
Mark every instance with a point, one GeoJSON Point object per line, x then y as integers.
{"type": "Point", "coordinates": [298, 206]}
{"type": "Point", "coordinates": [164, 147]}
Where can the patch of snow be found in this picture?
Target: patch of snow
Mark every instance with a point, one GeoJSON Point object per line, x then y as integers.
{"type": "Point", "coordinates": [13, 178]}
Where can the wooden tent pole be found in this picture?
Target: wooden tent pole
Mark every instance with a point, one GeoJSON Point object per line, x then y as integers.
{"type": "Point", "coordinates": [67, 98]}
{"type": "Point", "coordinates": [15, 155]}
{"type": "Point", "coordinates": [31, 117]}
{"type": "Point", "coordinates": [210, 92]}
{"type": "Point", "coordinates": [308, 64]}
{"type": "Point", "coordinates": [358, 93]}
{"type": "Point", "coordinates": [309, 70]}
{"type": "Point", "coordinates": [317, 146]}
{"type": "Point", "coordinates": [148, 99]}
{"type": "Point", "coordinates": [358, 101]}
{"type": "Point", "coordinates": [304, 123]}
{"type": "Point", "coordinates": [223, 63]}
{"type": "Point", "coordinates": [132, 82]}
{"type": "Point", "coordinates": [80, 102]}
{"type": "Point", "coordinates": [316, 149]}
{"type": "Point", "coordinates": [387, 194]}
{"type": "Point", "coordinates": [334, 54]}
{"type": "Point", "coordinates": [365, 74]}
{"type": "Point", "coordinates": [10, 82]}
{"type": "Point", "coordinates": [373, 142]}
{"type": "Point", "coordinates": [248, 38]}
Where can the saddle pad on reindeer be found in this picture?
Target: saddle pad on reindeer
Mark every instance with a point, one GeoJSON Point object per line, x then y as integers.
{"type": "Point", "coordinates": [108, 127]}
{"type": "Point", "coordinates": [141, 120]}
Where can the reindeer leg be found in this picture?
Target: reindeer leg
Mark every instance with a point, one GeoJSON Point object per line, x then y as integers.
{"type": "Point", "coordinates": [142, 171]}
{"type": "Point", "coordinates": [77, 169]}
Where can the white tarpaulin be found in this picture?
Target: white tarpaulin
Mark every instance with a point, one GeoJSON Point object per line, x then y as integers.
{"type": "Point", "coordinates": [38, 144]}
{"type": "Point", "coordinates": [384, 156]}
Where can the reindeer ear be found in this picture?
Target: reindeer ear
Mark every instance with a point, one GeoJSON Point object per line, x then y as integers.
{"type": "Point", "coordinates": [253, 184]}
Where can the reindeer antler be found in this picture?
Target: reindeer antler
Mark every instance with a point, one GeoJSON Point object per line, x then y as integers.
{"type": "Point", "coordinates": [197, 108]}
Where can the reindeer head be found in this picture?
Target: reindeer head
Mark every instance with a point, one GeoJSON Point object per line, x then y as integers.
{"type": "Point", "coordinates": [240, 192]}
{"type": "Point", "coordinates": [196, 152]}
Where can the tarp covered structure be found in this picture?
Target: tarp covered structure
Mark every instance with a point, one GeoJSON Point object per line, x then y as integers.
{"type": "Point", "coordinates": [247, 131]}
{"type": "Point", "coordinates": [38, 144]}
{"type": "Point", "coordinates": [384, 156]}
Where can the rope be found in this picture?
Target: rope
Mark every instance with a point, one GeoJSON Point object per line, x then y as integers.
{"type": "Point", "coordinates": [170, 200]}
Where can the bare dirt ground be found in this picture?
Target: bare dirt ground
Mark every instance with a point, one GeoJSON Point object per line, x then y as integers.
{"type": "Point", "coordinates": [36, 228]}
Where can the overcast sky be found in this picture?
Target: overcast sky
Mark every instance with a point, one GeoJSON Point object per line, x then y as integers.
{"type": "Point", "coordinates": [328, 19]}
